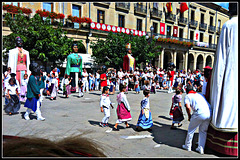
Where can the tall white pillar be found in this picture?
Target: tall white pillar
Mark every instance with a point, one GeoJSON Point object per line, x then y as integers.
{"type": "Point", "coordinates": [195, 62]}
{"type": "Point", "coordinates": [175, 57]}
{"type": "Point", "coordinates": [204, 60]}
{"type": "Point", "coordinates": [162, 58]}
{"type": "Point", "coordinates": [186, 61]}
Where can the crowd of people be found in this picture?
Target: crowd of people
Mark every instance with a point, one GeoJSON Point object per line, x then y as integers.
{"type": "Point", "coordinates": [137, 80]}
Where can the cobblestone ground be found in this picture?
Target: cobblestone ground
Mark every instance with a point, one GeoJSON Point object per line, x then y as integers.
{"type": "Point", "coordinates": [81, 116]}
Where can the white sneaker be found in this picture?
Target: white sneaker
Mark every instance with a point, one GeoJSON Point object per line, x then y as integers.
{"type": "Point", "coordinates": [200, 150]}
{"type": "Point", "coordinates": [26, 117]}
{"type": "Point", "coordinates": [41, 118]}
{"type": "Point", "coordinates": [185, 147]}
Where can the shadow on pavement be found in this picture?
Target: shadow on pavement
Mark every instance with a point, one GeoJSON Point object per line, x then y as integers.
{"type": "Point", "coordinates": [98, 94]}
{"type": "Point", "coordinates": [174, 138]}
{"type": "Point", "coordinates": [164, 117]}
{"type": "Point", "coordinates": [63, 97]}
{"type": "Point", "coordinates": [31, 116]}
{"type": "Point", "coordinates": [96, 123]}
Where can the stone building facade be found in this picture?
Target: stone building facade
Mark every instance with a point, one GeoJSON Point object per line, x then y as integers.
{"type": "Point", "coordinates": [200, 24]}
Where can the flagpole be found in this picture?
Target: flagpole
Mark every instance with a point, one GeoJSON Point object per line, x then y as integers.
{"type": "Point", "coordinates": [188, 36]}
{"type": "Point", "coordinates": [188, 19]}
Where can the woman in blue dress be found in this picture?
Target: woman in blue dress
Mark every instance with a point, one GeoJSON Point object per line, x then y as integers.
{"type": "Point", "coordinates": [145, 118]}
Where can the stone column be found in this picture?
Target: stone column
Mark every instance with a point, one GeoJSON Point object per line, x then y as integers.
{"type": "Point", "coordinates": [212, 61]}
{"type": "Point", "coordinates": [195, 61]}
{"type": "Point", "coordinates": [186, 61]}
{"type": "Point", "coordinates": [161, 59]}
{"type": "Point", "coordinates": [175, 57]}
{"type": "Point", "coordinates": [204, 60]}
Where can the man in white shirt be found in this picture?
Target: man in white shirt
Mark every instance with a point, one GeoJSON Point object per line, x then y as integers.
{"type": "Point", "coordinates": [201, 117]}
{"type": "Point", "coordinates": [85, 80]}
{"type": "Point", "coordinates": [120, 74]}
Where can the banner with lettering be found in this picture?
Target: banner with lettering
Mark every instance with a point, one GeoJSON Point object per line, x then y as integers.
{"type": "Point", "coordinates": [196, 37]}
{"type": "Point", "coordinates": [162, 28]}
{"type": "Point", "coordinates": [115, 29]}
{"type": "Point", "coordinates": [175, 31]}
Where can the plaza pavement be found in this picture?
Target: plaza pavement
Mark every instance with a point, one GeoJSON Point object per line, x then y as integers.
{"type": "Point", "coordinates": [81, 116]}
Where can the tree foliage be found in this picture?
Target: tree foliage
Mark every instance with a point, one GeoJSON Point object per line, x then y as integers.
{"type": "Point", "coordinates": [114, 47]}
{"type": "Point", "coordinates": [44, 43]}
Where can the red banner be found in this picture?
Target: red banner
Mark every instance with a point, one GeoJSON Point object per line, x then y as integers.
{"type": "Point", "coordinates": [162, 28]}
{"type": "Point", "coordinates": [175, 31]}
{"type": "Point", "coordinates": [115, 29]}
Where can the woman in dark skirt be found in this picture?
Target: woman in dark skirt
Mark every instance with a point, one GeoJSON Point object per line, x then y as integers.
{"type": "Point", "coordinates": [33, 93]}
{"type": "Point", "coordinates": [13, 95]}
{"type": "Point", "coordinates": [177, 108]}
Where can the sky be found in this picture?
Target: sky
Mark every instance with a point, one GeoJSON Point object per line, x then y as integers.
{"type": "Point", "coordinates": [223, 4]}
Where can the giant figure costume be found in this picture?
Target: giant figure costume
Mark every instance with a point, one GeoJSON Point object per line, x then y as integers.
{"type": "Point", "coordinates": [19, 60]}
{"type": "Point", "coordinates": [74, 66]}
{"type": "Point", "coordinates": [222, 135]}
{"type": "Point", "coordinates": [129, 62]}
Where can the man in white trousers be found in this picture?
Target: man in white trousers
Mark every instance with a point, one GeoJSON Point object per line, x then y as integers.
{"type": "Point", "coordinates": [85, 80]}
{"type": "Point", "coordinates": [201, 117]}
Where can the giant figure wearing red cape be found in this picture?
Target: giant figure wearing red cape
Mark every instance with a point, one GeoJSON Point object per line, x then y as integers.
{"type": "Point", "coordinates": [129, 62]}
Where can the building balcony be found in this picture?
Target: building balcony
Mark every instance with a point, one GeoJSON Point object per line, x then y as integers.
{"type": "Point", "coordinates": [203, 26]}
{"type": "Point", "coordinates": [193, 23]}
{"type": "Point", "coordinates": [102, 4]}
{"type": "Point", "coordinates": [170, 17]}
{"type": "Point", "coordinates": [211, 28]}
{"type": "Point", "coordinates": [122, 6]}
{"type": "Point", "coordinates": [156, 13]}
{"type": "Point", "coordinates": [182, 21]}
{"type": "Point", "coordinates": [171, 37]}
{"type": "Point", "coordinates": [140, 9]}
{"type": "Point", "coordinates": [212, 46]}
{"type": "Point", "coordinates": [219, 30]}
{"type": "Point", "coordinates": [196, 44]}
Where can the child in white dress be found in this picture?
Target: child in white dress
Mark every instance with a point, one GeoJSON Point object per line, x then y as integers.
{"type": "Point", "coordinates": [105, 104]}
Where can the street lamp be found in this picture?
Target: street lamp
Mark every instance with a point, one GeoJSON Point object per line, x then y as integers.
{"type": "Point", "coordinates": [147, 36]}
{"type": "Point", "coordinates": [151, 29]}
{"type": "Point", "coordinates": [150, 39]}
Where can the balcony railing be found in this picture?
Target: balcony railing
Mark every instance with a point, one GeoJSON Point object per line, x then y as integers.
{"type": "Point", "coordinates": [156, 13]}
{"type": "Point", "coordinates": [219, 30]}
{"type": "Point", "coordinates": [212, 46]}
{"type": "Point", "coordinates": [195, 43]}
{"type": "Point", "coordinates": [170, 17]}
{"type": "Point", "coordinates": [171, 37]}
{"type": "Point", "coordinates": [106, 4]}
{"type": "Point", "coordinates": [211, 28]}
{"type": "Point", "coordinates": [193, 23]}
{"type": "Point", "coordinates": [140, 9]}
{"type": "Point", "coordinates": [123, 6]}
{"type": "Point", "coordinates": [202, 26]}
{"type": "Point", "coordinates": [182, 20]}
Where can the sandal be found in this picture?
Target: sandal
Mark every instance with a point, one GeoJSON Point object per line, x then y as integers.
{"type": "Point", "coordinates": [128, 126]}
{"type": "Point", "coordinates": [180, 125]}
{"type": "Point", "coordinates": [115, 129]}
